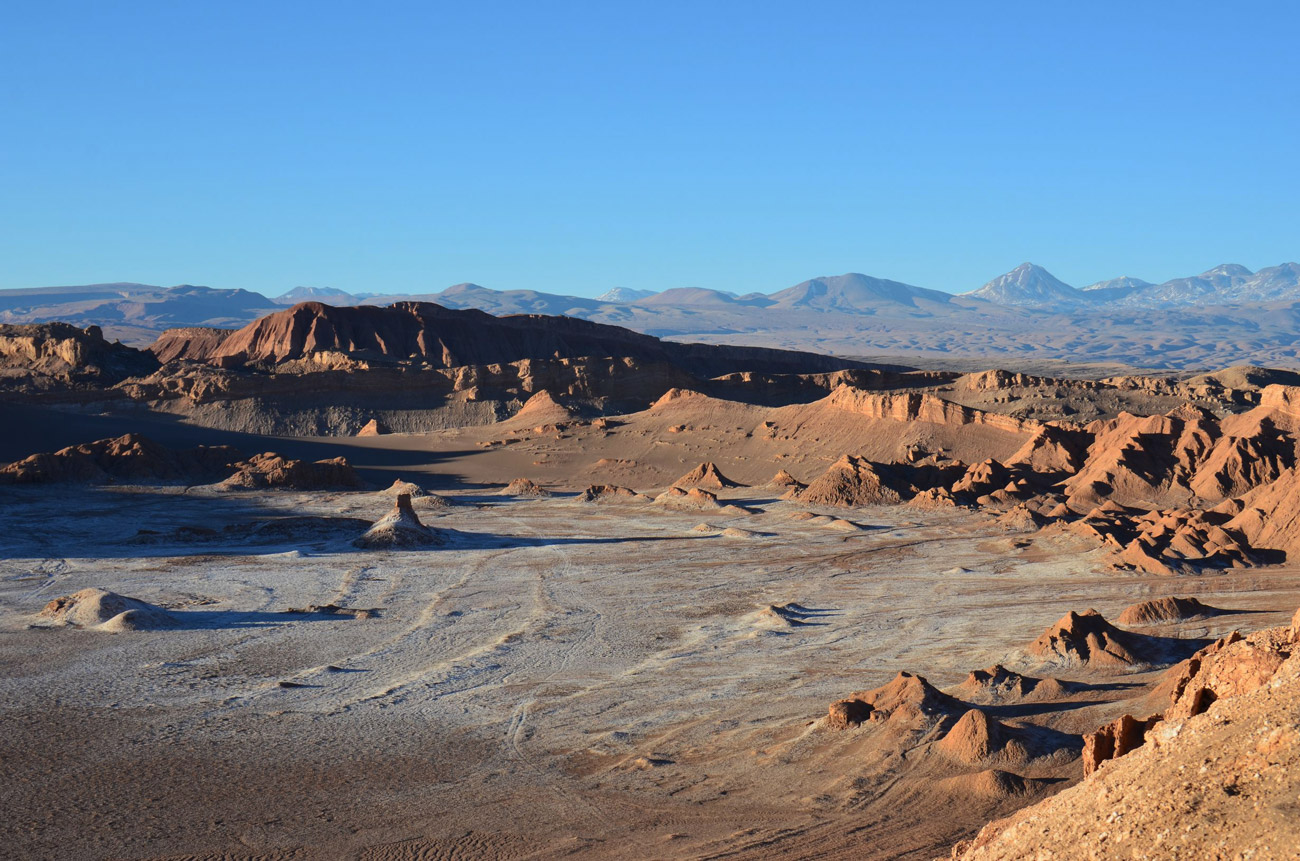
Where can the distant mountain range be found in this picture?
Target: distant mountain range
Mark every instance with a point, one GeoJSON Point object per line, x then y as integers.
{"type": "Point", "coordinates": [1030, 285]}
{"type": "Point", "coordinates": [1227, 312]}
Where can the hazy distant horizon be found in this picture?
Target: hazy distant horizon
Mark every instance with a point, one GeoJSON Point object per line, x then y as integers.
{"type": "Point", "coordinates": [592, 292]}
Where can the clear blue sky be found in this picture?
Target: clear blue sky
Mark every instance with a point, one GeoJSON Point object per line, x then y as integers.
{"type": "Point", "coordinates": [571, 147]}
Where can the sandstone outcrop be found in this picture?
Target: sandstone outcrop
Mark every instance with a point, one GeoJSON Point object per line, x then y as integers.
{"type": "Point", "coordinates": [66, 352]}
{"type": "Point", "coordinates": [399, 528]}
{"type": "Point", "coordinates": [444, 338]}
{"type": "Point", "coordinates": [525, 487]}
{"type": "Point", "coordinates": [705, 475]}
{"type": "Point", "coordinates": [374, 427]}
{"type": "Point", "coordinates": [908, 701]}
{"type": "Point", "coordinates": [692, 499]}
{"type": "Point", "coordinates": [784, 481]}
{"type": "Point", "coordinates": [852, 481]}
{"type": "Point", "coordinates": [610, 492]}
{"type": "Point", "coordinates": [1190, 784]}
{"type": "Point", "coordinates": [997, 685]}
{"type": "Point", "coordinates": [1086, 639]}
{"type": "Point", "coordinates": [128, 458]}
{"type": "Point", "coordinates": [271, 471]}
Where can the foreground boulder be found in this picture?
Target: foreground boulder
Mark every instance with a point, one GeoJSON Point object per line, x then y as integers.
{"type": "Point", "coordinates": [103, 610]}
{"type": "Point", "coordinates": [399, 528]}
{"type": "Point", "coordinates": [271, 471]}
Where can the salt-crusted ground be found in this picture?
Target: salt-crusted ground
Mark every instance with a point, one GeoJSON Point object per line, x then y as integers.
{"type": "Point", "coordinates": [558, 679]}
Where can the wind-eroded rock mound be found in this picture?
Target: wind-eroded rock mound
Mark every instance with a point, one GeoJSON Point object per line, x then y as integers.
{"type": "Point", "coordinates": [374, 427]}
{"type": "Point", "coordinates": [784, 481]}
{"type": "Point", "coordinates": [269, 470]}
{"type": "Point", "coordinates": [694, 499]}
{"type": "Point", "coordinates": [979, 738]}
{"type": "Point", "coordinates": [525, 487]}
{"type": "Point", "coordinates": [610, 493]}
{"type": "Point", "coordinates": [1086, 639]}
{"type": "Point", "coordinates": [399, 528]}
{"type": "Point", "coordinates": [543, 409]}
{"type": "Point", "coordinates": [1166, 610]}
{"type": "Point", "coordinates": [849, 482]}
{"type": "Point", "coordinates": [705, 475]}
{"type": "Point", "coordinates": [130, 458]}
{"type": "Point", "coordinates": [997, 685]}
{"type": "Point", "coordinates": [400, 486]}
{"type": "Point", "coordinates": [909, 702]}
{"type": "Point", "coordinates": [105, 611]}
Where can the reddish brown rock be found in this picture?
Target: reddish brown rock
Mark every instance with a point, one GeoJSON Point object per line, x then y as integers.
{"type": "Point", "coordinates": [609, 492]}
{"type": "Point", "coordinates": [399, 528]}
{"type": "Point", "coordinates": [373, 428]}
{"type": "Point", "coordinates": [1085, 639]}
{"type": "Point", "coordinates": [525, 487]}
{"type": "Point", "coordinates": [271, 471]}
{"type": "Point", "coordinates": [1166, 610]}
{"type": "Point", "coordinates": [844, 714]}
{"type": "Point", "coordinates": [705, 475]}
{"type": "Point", "coordinates": [1115, 739]}
{"type": "Point", "coordinates": [849, 482]}
{"type": "Point", "coordinates": [129, 458]}
{"type": "Point", "coordinates": [785, 481]}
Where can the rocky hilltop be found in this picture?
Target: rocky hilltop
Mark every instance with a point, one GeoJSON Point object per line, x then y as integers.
{"type": "Point", "coordinates": [65, 352]}
{"type": "Point", "coordinates": [439, 337]}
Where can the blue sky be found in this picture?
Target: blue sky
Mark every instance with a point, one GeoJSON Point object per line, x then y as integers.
{"type": "Point", "coordinates": [574, 147]}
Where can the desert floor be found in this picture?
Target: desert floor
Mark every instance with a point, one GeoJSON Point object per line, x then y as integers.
{"type": "Point", "coordinates": [560, 679]}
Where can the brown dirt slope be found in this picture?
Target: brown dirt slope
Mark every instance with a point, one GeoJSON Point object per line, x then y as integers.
{"type": "Point", "coordinates": [1217, 779]}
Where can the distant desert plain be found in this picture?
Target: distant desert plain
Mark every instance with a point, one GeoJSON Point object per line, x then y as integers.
{"type": "Point", "coordinates": [412, 582]}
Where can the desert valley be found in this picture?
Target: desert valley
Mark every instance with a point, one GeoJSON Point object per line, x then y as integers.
{"type": "Point", "coordinates": [415, 582]}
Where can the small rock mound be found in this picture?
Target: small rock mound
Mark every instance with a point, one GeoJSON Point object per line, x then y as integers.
{"type": "Point", "coordinates": [997, 684]}
{"type": "Point", "coordinates": [1166, 610]}
{"type": "Point", "coordinates": [694, 499]}
{"type": "Point", "coordinates": [400, 486]}
{"type": "Point", "coordinates": [975, 737]}
{"type": "Point", "coordinates": [993, 783]}
{"type": "Point", "coordinates": [373, 428]}
{"type": "Point", "coordinates": [1085, 639]}
{"type": "Point", "coordinates": [103, 610]}
{"type": "Point", "coordinates": [543, 409]}
{"type": "Point", "coordinates": [705, 475]}
{"type": "Point", "coordinates": [909, 701]}
{"type": "Point", "coordinates": [782, 616]}
{"type": "Point", "coordinates": [525, 487]}
{"type": "Point", "coordinates": [785, 481]}
{"type": "Point", "coordinates": [271, 471]}
{"type": "Point", "coordinates": [399, 528]}
{"type": "Point", "coordinates": [744, 534]}
{"type": "Point", "coordinates": [849, 482]}
{"type": "Point", "coordinates": [608, 493]}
